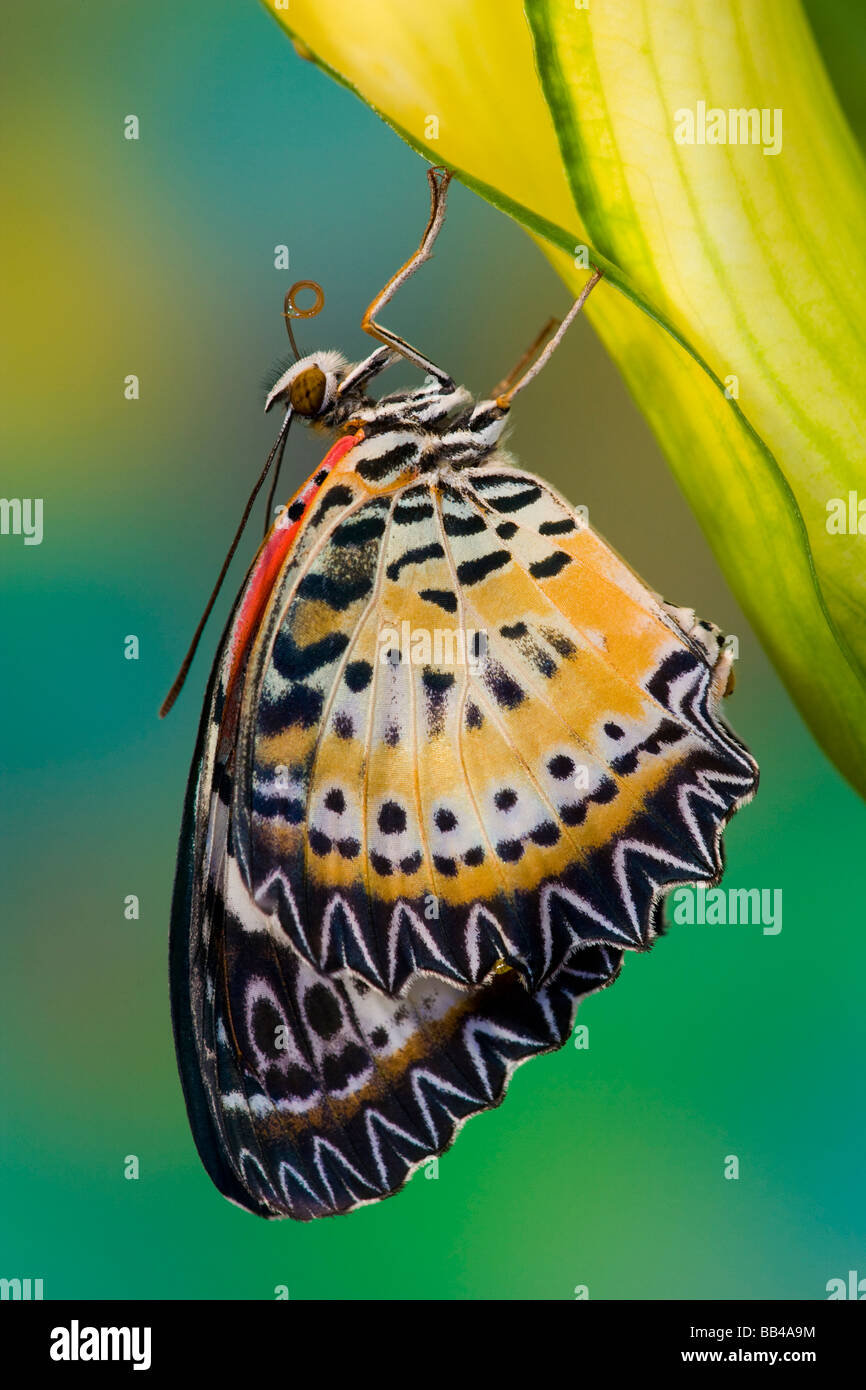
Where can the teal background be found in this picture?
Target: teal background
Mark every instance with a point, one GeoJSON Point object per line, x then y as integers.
{"type": "Point", "coordinates": [603, 1167]}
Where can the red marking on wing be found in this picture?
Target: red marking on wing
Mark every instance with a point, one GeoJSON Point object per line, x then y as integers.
{"type": "Point", "coordinates": [271, 558]}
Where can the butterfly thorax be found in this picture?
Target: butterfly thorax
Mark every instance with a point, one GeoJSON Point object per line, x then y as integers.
{"type": "Point", "coordinates": [418, 432]}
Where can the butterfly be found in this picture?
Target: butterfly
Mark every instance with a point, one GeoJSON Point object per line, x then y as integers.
{"type": "Point", "coordinates": [453, 754]}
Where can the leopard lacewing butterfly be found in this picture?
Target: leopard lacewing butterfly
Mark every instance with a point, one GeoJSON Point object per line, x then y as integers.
{"type": "Point", "coordinates": [406, 853]}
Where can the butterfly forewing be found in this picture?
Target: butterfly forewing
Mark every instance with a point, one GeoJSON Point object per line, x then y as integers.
{"type": "Point", "coordinates": [311, 1093]}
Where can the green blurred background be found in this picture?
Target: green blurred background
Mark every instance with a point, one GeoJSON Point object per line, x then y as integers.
{"type": "Point", "coordinates": [604, 1167]}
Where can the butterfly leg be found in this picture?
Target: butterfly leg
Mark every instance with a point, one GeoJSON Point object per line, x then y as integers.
{"type": "Point", "coordinates": [506, 391]}
{"type": "Point", "coordinates": [439, 180]}
{"type": "Point", "coordinates": [365, 371]}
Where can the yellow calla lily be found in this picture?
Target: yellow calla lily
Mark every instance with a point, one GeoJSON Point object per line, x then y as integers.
{"type": "Point", "coordinates": [697, 153]}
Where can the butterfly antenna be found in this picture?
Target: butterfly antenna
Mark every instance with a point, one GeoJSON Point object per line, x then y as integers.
{"type": "Point", "coordinates": [504, 400]}
{"type": "Point", "coordinates": [276, 453]}
{"type": "Point", "coordinates": [292, 337]}
{"type": "Point", "coordinates": [547, 332]}
{"type": "Point", "coordinates": [292, 310]}
{"type": "Point", "coordinates": [272, 491]}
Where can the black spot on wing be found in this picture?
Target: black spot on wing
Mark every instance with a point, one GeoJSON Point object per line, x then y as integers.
{"type": "Point", "coordinates": [474, 717]}
{"type": "Point", "coordinates": [392, 818]}
{"type": "Point", "coordinates": [604, 792]}
{"type": "Point", "coordinates": [416, 556]}
{"type": "Point", "coordinates": [671, 668]}
{"type": "Point", "coordinates": [296, 1084]}
{"type": "Point", "coordinates": [323, 1011]}
{"type": "Point", "coordinates": [405, 513]}
{"type": "Point", "coordinates": [502, 686]}
{"type": "Point", "coordinates": [300, 704]}
{"type": "Point", "coordinates": [455, 525]}
{"type": "Point", "coordinates": [299, 663]}
{"type": "Point", "coordinates": [443, 598]}
{"type": "Point", "coordinates": [473, 571]}
{"type": "Point", "coordinates": [547, 833]}
{"type": "Point", "coordinates": [561, 767]}
{"type": "Point", "coordinates": [358, 675]}
{"type": "Point", "coordinates": [550, 565]}
{"type": "Point", "coordinates": [561, 644]}
{"type": "Point", "coordinates": [436, 686]}
{"type": "Point", "coordinates": [517, 501]}
{"type": "Point", "coordinates": [436, 682]}
{"type": "Point", "coordinates": [514, 492]}
{"type": "Point", "coordinates": [338, 1071]}
{"type": "Point", "coordinates": [287, 808]}
{"type": "Point", "coordinates": [335, 590]}
{"type": "Point", "coordinates": [543, 663]}
{"type": "Point", "coordinates": [338, 496]}
{"type": "Point", "coordinates": [625, 763]}
{"type": "Point", "coordinates": [265, 1021]}
{"type": "Point", "coordinates": [360, 531]}
{"type": "Point", "coordinates": [444, 865]}
{"type": "Point", "coordinates": [374, 470]}
{"type": "Point", "coordinates": [510, 851]}
{"type": "Point", "coordinates": [668, 732]}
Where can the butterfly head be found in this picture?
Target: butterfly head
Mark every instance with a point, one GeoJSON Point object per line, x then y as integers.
{"type": "Point", "coordinates": [309, 388]}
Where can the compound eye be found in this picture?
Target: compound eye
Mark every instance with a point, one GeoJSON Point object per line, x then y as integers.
{"type": "Point", "coordinates": [307, 391]}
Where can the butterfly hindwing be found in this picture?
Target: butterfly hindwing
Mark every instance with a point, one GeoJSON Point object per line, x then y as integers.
{"type": "Point", "coordinates": [311, 1093]}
